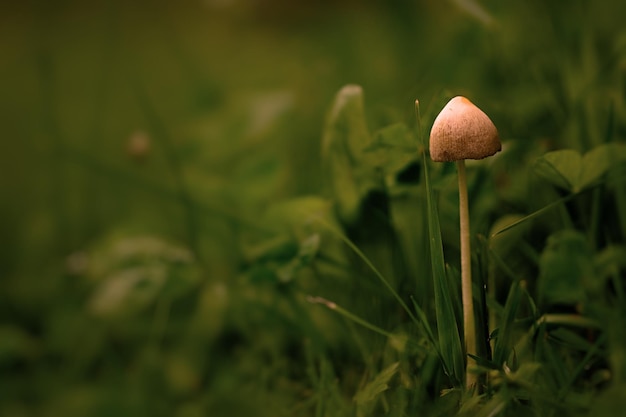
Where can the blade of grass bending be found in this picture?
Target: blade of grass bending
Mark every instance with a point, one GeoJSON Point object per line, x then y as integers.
{"type": "Point", "coordinates": [350, 316]}
{"type": "Point", "coordinates": [358, 320]}
{"type": "Point", "coordinates": [370, 265]}
{"type": "Point", "coordinates": [447, 327]}
{"type": "Point", "coordinates": [535, 213]}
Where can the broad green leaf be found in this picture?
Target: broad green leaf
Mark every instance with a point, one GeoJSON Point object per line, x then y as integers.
{"type": "Point", "coordinates": [309, 247]}
{"type": "Point", "coordinates": [597, 162]}
{"type": "Point", "coordinates": [396, 137]}
{"type": "Point", "coordinates": [565, 264]}
{"type": "Point", "coordinates": [561, 168]}
{"type": "Point", "coordinates": [346, 128]}
{"type": "Point", "coordinates": [347, 166]}
{"type": "Point", "coordinates": [308, 250]}
{"type": "Point", "coordinates": [278, 248]}
{"type": "Point", "coordinates": [375, 387]}
{"type": "Point", "coordinates": [128, 291]}
{"type": "Point", "coordinates": [133, 272]}
{"type": "Point", "coordinates": [394, 149]}
{"type": "Point", "coordinates": [569, 170]}
{"type": "Point", "coordinates": [298, 216]}
{"type": "Point", "coordinates": [282, 262]}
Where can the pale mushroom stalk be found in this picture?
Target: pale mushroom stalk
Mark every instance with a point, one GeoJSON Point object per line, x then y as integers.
{"type": "Point", "coordinates": [462, 131]}
{"type": "Point", "coordinates": [469, 322]}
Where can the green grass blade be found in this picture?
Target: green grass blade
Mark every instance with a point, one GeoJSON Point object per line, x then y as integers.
{"type": "Point", "coordinates": [354, 318]}
{"type": "Point", "coordinates": [447, 328]}
{"type": "Point", "coordinates": [504, 341]}
{"type": "Point", "coordinates": [535, 214]}
{"type": "Point", "coordinates": [350, 316]}
{"type": "Point", "coordinates": [429, 333]}
{"type": "Point", "coordinates": [370, 265]}
{"type": "Point", "coordinates": [425, 325]}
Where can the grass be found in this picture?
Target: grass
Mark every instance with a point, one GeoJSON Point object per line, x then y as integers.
{"type": "Point", "coordinates": [239, 269]}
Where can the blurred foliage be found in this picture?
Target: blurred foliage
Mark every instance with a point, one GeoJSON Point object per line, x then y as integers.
{"type": "Point", "coordinates": [176, 183]}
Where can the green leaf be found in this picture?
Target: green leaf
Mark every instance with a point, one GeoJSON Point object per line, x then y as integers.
{"type": "Point", "coordinates": [128, 291]}
{"type": "Point", "coordinates": [569, 170]}
{"type": "Point", "coordinates": [308, 250]}
{"type": "Point", "coordinates": [565, 264]}
{"type": "Point", "coordinates": [277, 248]}
{"type": "Point", "coordinates": [375, 387]}
{"type": "Point", "coordinates": [133, 272]}
{"type": "Point", "coordinates": [447, 327]}
{"type": "Point", "coordinates": [561, 168]}
{"type": "Point", "coordinates": [597, 162]}
{"type": "Point", "coordinates": [346, 164]}
{"type": "Point", "coordinates": [396, 137]}
{"type": "Point", "coordinates": [394, 149]}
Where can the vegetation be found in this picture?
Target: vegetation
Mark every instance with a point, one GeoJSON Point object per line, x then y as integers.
{"type": "Point", "coordinates": [228, 208]}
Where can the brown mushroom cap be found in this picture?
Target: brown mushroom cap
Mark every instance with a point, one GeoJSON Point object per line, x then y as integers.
{"type": "Point", "coordinates": [462, 131]}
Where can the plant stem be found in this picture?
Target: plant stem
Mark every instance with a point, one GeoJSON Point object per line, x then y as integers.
{"type": "Point", "coordinates": [469, 324]}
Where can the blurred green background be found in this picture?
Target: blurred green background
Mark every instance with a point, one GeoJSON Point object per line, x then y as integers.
{"type": "Point", "coordinates": [148, 137]}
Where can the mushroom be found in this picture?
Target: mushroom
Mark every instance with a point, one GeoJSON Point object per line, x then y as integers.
{"type": "Point", "coordinates": [462, 131]}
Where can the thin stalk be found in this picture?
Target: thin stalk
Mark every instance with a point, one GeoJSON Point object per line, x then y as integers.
{"type": "Point", "coordinates": [469, 324]}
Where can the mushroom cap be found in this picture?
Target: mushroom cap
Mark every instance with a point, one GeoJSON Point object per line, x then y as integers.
{"type": "Point", "coordinates": [462, 131]}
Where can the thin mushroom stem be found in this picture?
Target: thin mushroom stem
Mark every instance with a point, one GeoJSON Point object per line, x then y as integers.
{"type": "Point", "coordinates": [469, 324]}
